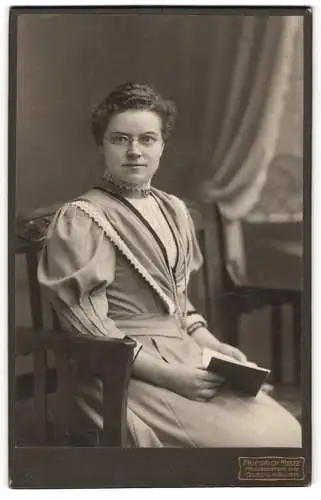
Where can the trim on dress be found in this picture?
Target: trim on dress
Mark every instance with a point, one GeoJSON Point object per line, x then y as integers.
{"type": "Point", "coordinates": [142, 219]}
{"type": "Point", "coordinates": [163, 211]}
{"type": "Point", "coordinates": [114, 237]}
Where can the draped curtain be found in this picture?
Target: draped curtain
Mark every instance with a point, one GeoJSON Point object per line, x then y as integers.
{"type": "Point", "coordinates": [239, 158]}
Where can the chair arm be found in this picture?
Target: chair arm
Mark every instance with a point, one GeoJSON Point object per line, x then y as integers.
{"type": "Point", "coordinates": [110, 359]}
{"type": "Point", "coordinates": [29, 339]}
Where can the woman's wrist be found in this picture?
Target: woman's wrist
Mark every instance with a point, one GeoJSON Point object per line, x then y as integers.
{"type": "Point", "coordinates": [153, 370]}
{"type": "Point", "coordinates": [168, 376]}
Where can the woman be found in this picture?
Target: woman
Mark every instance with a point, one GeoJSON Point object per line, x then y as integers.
{"type": "Point", "coordinates": [117, 262]}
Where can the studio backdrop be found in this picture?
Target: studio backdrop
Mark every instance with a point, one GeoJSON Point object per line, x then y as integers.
{"type": "Point", "coordinates": [228, 74]}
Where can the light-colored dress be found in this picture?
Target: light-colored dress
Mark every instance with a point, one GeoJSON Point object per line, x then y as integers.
{"type": "Point", "coordinates": [115, 267]}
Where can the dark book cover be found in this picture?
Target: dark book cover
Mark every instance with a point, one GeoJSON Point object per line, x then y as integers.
{"type": "Point", "coordinates": [247, 377]}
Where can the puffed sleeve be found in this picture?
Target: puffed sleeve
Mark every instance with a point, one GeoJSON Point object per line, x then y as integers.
{"type": "Point", "coordinates": [76, 266]}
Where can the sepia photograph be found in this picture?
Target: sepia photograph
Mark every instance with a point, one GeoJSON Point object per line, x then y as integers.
{"type": "Point", "coordinates": [159, 241]}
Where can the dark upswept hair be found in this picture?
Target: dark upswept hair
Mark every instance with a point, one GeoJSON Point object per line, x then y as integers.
{"type": "Point", "coordinates": [128, 96]}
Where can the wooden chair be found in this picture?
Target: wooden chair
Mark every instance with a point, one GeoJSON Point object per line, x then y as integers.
{"type": "Point", "coordinates": [224, 301]}
{"type": "Point", "coordinates": [109, 359]}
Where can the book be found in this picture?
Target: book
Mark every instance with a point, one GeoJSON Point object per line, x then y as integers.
{"type": "Point", "coordinates": [247, 377]}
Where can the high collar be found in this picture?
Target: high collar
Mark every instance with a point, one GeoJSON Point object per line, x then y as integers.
{"type": "Point", "coordinates": [125, 189]}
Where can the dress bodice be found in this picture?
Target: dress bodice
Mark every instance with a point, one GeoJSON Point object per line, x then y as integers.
{"type": "Point", "coordinates": [151, 211]}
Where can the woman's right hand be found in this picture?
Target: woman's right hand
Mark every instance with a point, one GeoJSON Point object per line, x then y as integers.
{"type": "Point", "coordinates": [194, 382]}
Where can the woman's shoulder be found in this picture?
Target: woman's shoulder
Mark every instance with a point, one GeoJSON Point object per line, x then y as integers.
{"type": "Point", "coordinates": [183, 210]}
{"type": "Point", "coordinates": [72, 220]}
{"type": "Point", "coordinates": [176, 202]}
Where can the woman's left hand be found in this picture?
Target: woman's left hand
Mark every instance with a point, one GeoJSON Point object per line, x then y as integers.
{"type": "Point", "coordinates": [233, 352]}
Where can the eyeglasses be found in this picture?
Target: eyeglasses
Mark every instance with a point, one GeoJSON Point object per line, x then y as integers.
{"type": "Point", "coordinates": [124, 140]}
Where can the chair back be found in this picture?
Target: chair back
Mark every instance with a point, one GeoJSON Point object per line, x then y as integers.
{"type": "Point", "coordinates": [207, 286]}
{"type": "Point", "coordinates": [30, 233]}
{"type": "Point", "coordinates": [42, 380]}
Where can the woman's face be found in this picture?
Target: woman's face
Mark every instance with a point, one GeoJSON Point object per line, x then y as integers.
{"type": "Point", "coordinates": [133, 146]}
